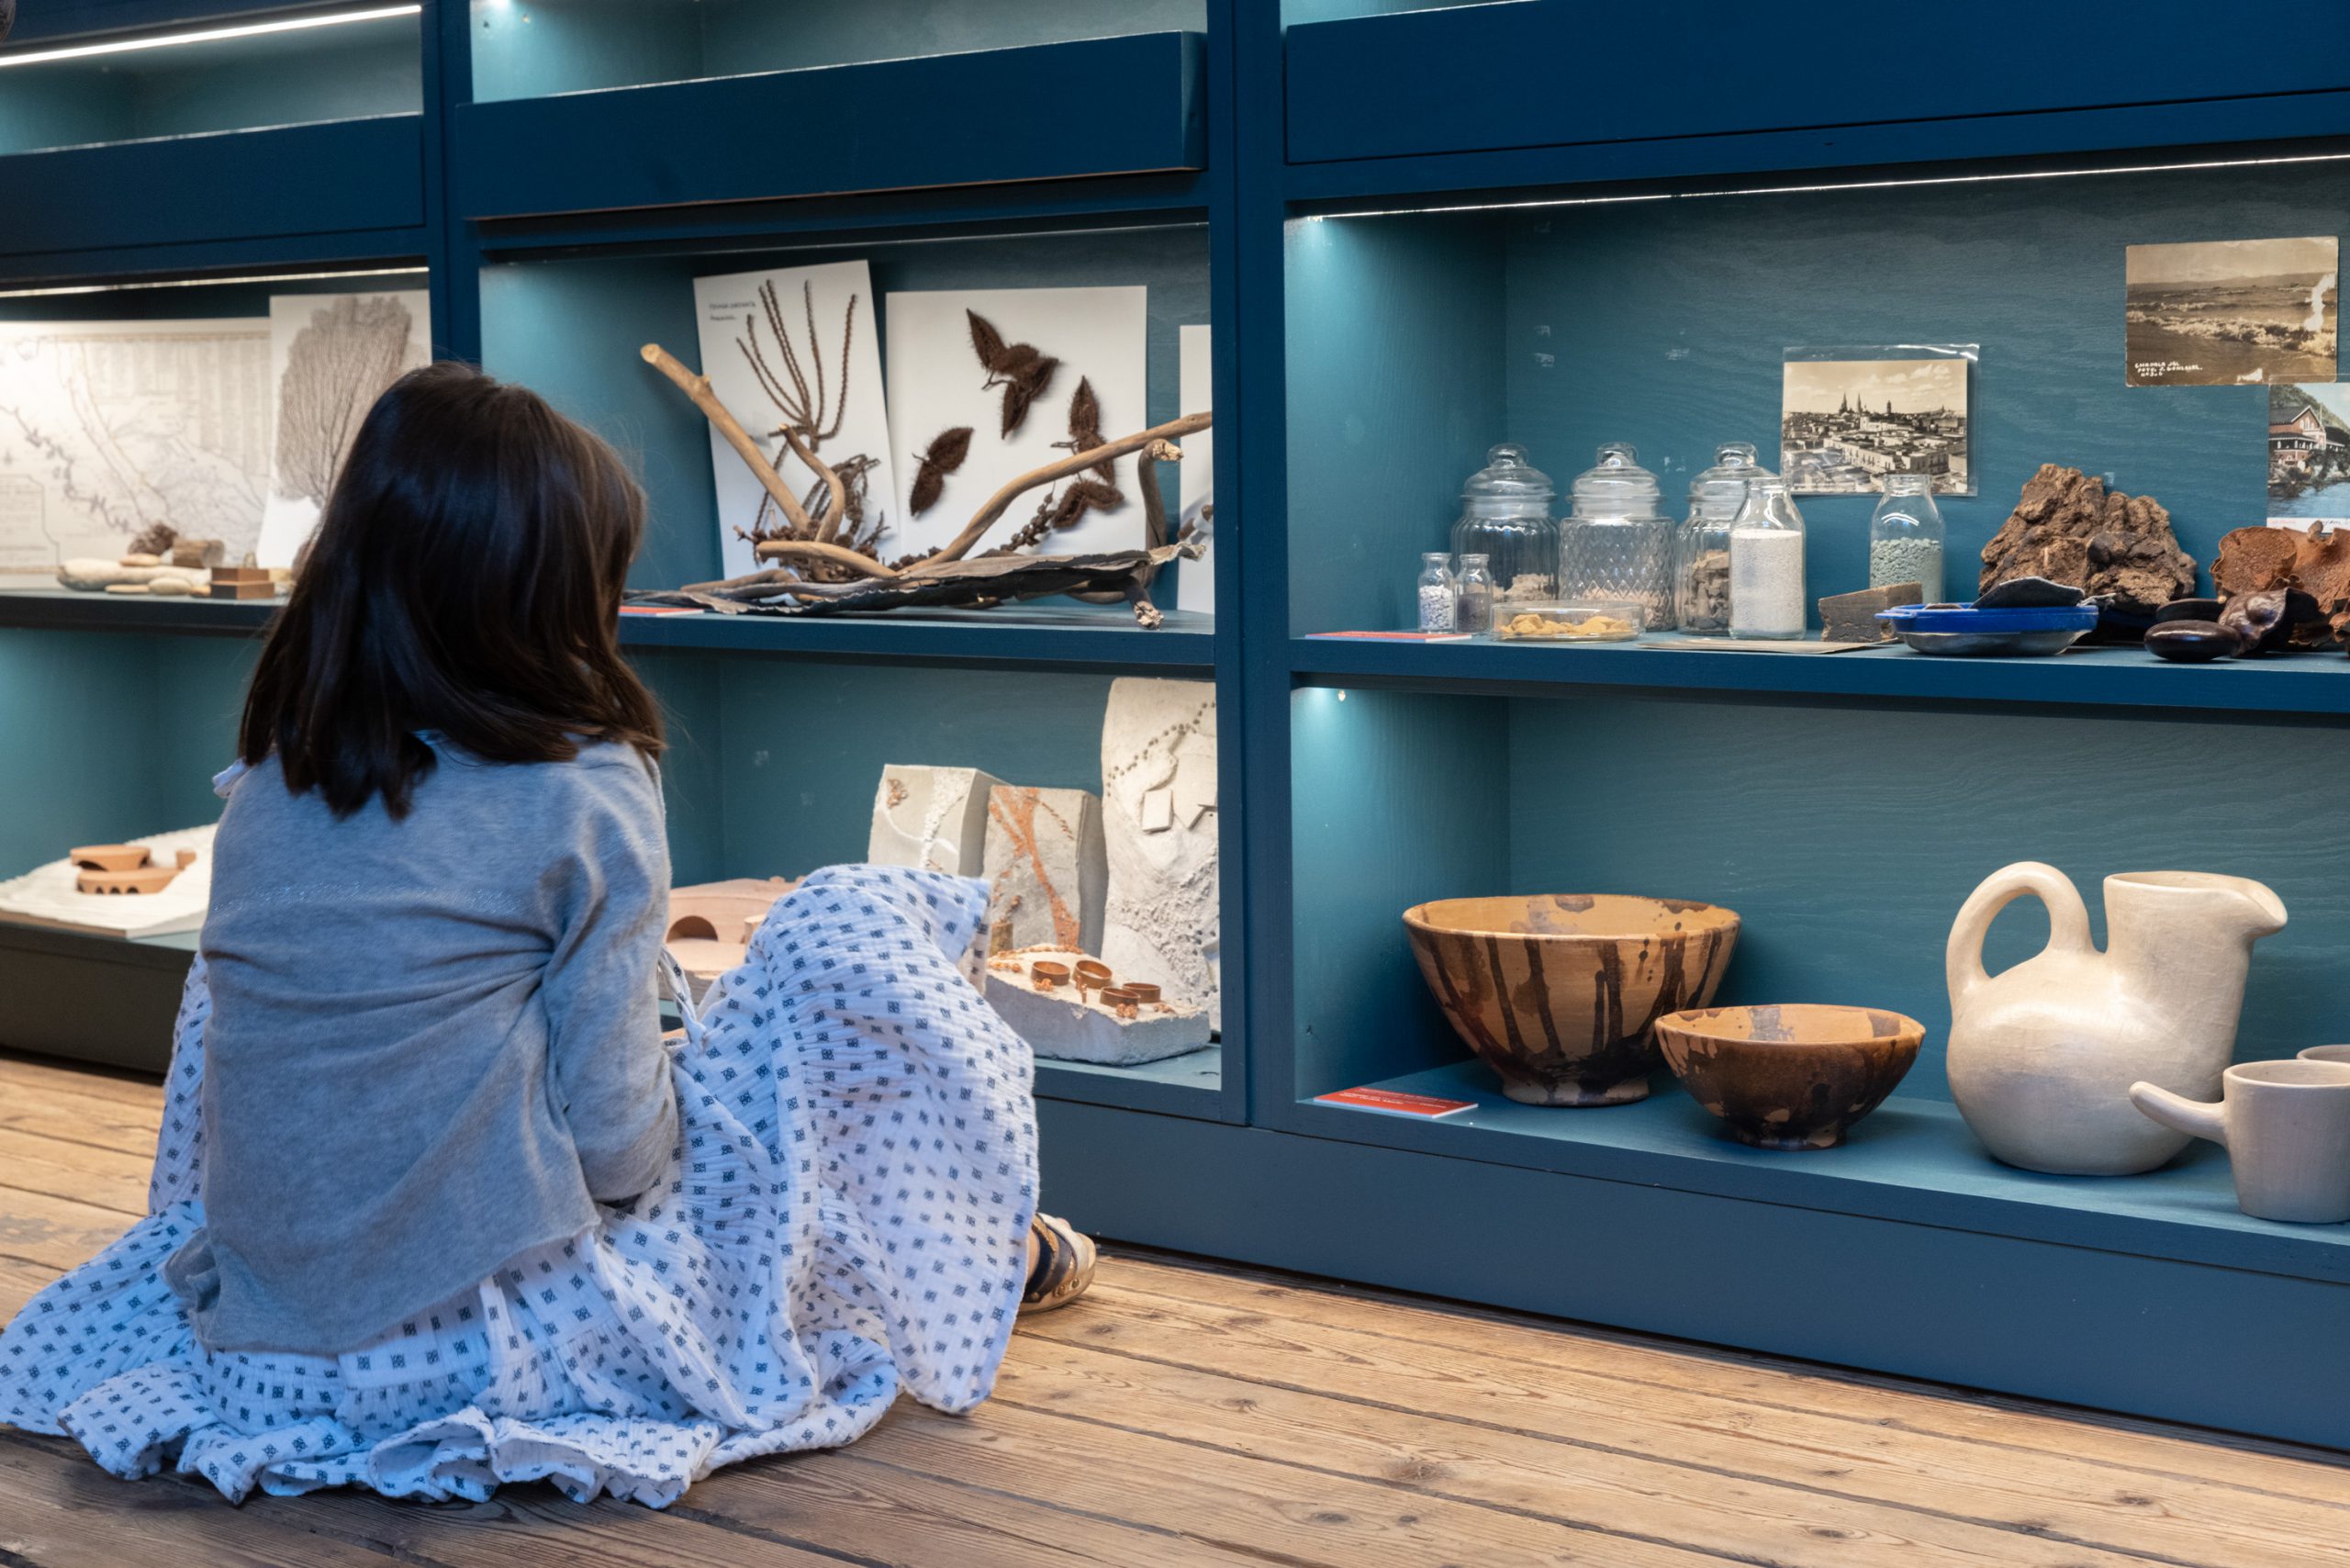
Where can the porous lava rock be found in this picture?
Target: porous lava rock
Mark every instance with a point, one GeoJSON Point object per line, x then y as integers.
{"type": "Point", "coordinates": [2069, 527]}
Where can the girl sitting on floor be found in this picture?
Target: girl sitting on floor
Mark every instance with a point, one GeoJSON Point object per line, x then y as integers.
{"type": "Point", "coordinates": [434, 1205]}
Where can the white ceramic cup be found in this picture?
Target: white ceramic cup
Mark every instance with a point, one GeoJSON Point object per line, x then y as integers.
{"type": "Point", "coordinates": [2324, 1053]}
{"type": "Point", "coordinates": [2286, 1125]}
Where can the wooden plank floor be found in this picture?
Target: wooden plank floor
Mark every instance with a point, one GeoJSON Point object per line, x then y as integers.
{"type": "Point", "coordinates": [1187, 1414]}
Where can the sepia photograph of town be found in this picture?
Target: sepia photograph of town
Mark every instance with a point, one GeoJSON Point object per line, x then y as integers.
{"type": "Point", "coordinates": [1844, 424]}
{"type": "Point", "coordinates": [2225, 311]}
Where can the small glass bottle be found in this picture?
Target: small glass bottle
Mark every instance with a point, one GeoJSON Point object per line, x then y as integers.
{"type": "Point", "coordinates": [1473, 600]}
{"type": "Point", "coordinates": [1437, 591]}
{"type": "Point", "coordinates": [1906, 536]}
{"type": "Point", "coordinates": [1766, 595]}
{"type": "Point", "coordinates": [1701, 551]}
{"type": "Point", "coordinates": [1505, 517]}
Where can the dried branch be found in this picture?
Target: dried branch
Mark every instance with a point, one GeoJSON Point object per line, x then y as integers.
{"type": "Point", "coordinates": [986, 517]}
{"type": "Point", "coordinates": [697, 389]}
{"type": "Point", "coordinates": [807, 550]}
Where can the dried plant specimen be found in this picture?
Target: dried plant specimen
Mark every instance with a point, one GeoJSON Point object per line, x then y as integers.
{"type": "Point", "coordinates": [1085, 429]}
{"type": "Point", "coordinates": [804, 409]}
{"type": "Point", "coordinates": [1024, 371]}
{"type": "Point", "coordinates": [155, 539]}
{"type": "Point", "coordinates": [338, 365]}
{"type": "Point", "coordinates": [943, 455]}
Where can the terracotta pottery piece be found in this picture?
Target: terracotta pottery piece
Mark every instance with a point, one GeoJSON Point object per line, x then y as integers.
{"type": "Point", "coordinates": [711, 924]}
{"type": "Point", "coordinates": [124, 868]}
{"type": "Point", "coordinates": [1789, 1077]}
{"type": "Point", "coordinates": [1557, 992]}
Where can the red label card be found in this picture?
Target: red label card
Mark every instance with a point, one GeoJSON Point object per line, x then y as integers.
{"type": "Point", "coordinates": [1389, 1103]}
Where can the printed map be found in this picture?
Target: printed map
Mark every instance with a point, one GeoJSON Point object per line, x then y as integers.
{"type": "Point", "coordinates": [108, 427]}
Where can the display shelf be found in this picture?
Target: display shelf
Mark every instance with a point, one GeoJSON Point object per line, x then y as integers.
{"type": "Point", "coordinates": [1138, 97]}
{"type": "Point", "coordinates": [1439, 81]}
{"type": "Point", "coordinates": [89, 998]}
{"type": "Point", "coordinates": [1038, 633]}
{"type": "Point", "coordinates": [1912, 1161]}
{"type": "Point", "coordinates": [2315, 683]}
{"type": "Point", "coordinates": [67, 609]}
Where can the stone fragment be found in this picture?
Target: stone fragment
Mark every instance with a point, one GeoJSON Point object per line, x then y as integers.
{"type": "Point", "coordinates": [171, 588]}
{"type": "Point", "coordinates": [2314, 563]}
{"type": "Point", "coordinates": [199, 553]}
{"type": "Point", "coordinates": [935, 818]}
{"type": "Point", "coordinates": [1045, 868]}
{"type": "Point", "coordinates": [2028, 593]}
{"type": "Point", "coordinates": [1158, 761]}
{"type": "Point", "coordinates": [1063, 1024]}
{"type": "Point", "coordinates": [1852, 617]}
{"type": "Point", "coordinates": [141, 558]}
{"type": "Point", "coordinates": [88, 575]}
{"type": "Point", "coordinates": [2069, 529]}
{"type": "Point", "coordinates": [2190, 642]}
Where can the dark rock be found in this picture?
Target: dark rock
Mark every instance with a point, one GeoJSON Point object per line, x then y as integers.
{"type": "Point", "coordinates": [2028, 593]}
{"type": "Point", "coordinates": [2263, 621]}
{"type": "Point", "coordinates": [2189, 609]}
{"type": "Point", "coordinates": [2068, 527]}
{"type": "Point", "coordinates": [2313, 565]}
{"type": "Point", "coordinates": [2191, 641]}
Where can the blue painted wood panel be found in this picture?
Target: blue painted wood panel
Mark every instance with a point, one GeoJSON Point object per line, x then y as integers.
{"type": "Point", "coordinates": [311, 179]}
{"type": "Point", "coordinates": [1138, 99]}
{"type": "Point", "coordinates": [1457, 79]}
{"type": "Point", "coordinates": [2088, 1326]}
{"type": "Point", "coordinates": [539, 47]}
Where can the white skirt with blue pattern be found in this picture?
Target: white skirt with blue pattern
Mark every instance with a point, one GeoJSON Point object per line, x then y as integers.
{"type": "Point", "coordinates": [845, 1216]}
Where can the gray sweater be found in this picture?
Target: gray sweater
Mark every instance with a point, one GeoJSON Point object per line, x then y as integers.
{"type": "Point", "coordinates": [434, 1041]}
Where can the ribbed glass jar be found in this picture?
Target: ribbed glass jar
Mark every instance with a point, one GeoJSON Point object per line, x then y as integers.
{"type": "Point", "coordinates": [1701, 549]}
{"type": "Point", "coordinates": [1506, 518]}
{"type": "Point", "coordinates": [1616, 546]}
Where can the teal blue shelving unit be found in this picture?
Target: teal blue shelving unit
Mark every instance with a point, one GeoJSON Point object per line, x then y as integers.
{"type": "Point", "coordinates": [1408, 252]}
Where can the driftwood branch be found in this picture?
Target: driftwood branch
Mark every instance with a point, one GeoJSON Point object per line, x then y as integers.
{"type": "Point", "coordinates": [697, 388]}
{"type": "Point", "coordinates": [1077, 463]}
{"type": "Point", "coordinates": [835, 555]}
{"type": "Point", "coordinates": [823, 470]}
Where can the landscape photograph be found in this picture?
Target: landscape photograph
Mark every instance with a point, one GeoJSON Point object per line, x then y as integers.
{"type": "Point", "coordinates": [1844, 424]}
{"type": "Point", "coordinates": [2220, 313]}
{"type": "Point", "coordinates": [2309, 453]}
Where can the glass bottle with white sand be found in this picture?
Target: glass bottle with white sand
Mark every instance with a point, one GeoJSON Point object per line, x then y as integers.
{"type": "Point", "coordinates": [1766, 593]}
{"type": "Point", "coordinates": [1906, 536]}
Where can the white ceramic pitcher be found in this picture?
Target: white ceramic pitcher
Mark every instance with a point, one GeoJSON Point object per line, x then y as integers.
{"type": "Point", "coordinates": [2042, 1056]}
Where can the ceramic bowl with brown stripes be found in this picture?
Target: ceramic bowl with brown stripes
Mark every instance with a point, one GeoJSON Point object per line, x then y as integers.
{"type": "Point", "coordinates": [1790, 1077]}
{"type": "Point", "coordinates": [1556, 991]}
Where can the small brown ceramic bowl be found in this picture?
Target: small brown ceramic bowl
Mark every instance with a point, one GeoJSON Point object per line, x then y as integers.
{"type": "Point", "coordinates": [1556, 991]}
{"type": "Point", "coordinates": [1790, 1077]}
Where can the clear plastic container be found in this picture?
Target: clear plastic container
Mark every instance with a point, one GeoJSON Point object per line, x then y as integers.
{"type": "Point", "coordinates": [1701, 550]}
{"type": "Point", "coordinates": [1505, 517]}
{"type": "Point", "coordinates": [1473, 600]}
{"type": "Point", "coordinates": [1906, 536]}
{"type": "Point", "coordinates": [1766, 588]}
{"type": "Point", "coordinates": [1617, 546]}
{"type": "Point", "coordinates": [1579, 620]}
{"type": "Point", "coordinates": [1437, 591]}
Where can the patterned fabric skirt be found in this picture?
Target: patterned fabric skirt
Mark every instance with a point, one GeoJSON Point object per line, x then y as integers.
{"type": "Point", "coordinates": [844, 1216]}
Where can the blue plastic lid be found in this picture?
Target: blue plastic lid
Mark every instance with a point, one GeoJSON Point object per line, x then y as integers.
{"type": "Point", "coordinates": [1966, 618]}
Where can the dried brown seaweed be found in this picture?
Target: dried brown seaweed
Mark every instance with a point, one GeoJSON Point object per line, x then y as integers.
{"type": "Point", "coordinates": [943, 455]}
{"type": "Point", "coordinates": [1085, 429]}
{"type": "Point", "coordinates": [1021, 370]}
{"type": "Point", "coordinates": [804, 410]}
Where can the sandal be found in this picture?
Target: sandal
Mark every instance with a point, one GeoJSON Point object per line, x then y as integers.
{"type": "Point", "coordinates": [1064, 1268]}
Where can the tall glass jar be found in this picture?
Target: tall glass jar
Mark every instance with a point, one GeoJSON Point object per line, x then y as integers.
{"type": "Point", "coordinates": [1766, 596]}
{"type": "Point", "coordinates": [1473, 596]}
{"type": "Point", "coordinates": [1701, 550]}
{"type": "Point", "coordinates": [1906, 536]}
{"type": "Point", "coordinates": [1506, 518]}
{"type": "Point", "coordinates": [1616, 544]}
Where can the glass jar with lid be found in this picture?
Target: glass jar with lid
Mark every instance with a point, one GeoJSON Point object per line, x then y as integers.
{"type": "Point", "coordinates": [1506, 518]}
{"type": "Point", "coordinates": [1906, 536]}
{"type": "Point", "coordinates": [1766, 595]}
{"type": "Point", "coordinates": [1701, 551]}
{"type": "Point", "coordinates": [1437, 591]}
{"type": "Point", "coordinates": [1616, 544]}
{"type": "Point", "coordinates": [1473, 596]}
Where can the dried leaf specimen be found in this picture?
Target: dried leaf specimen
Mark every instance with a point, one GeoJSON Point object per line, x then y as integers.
{"type": "Point", "coordinates": [1085, 430]}
{"type": "Point", "coordinates": [942, 458]}
{"type": "Point", "coordinates": [339, 364]}
{"type": "Point", "coordinates": [1021, 369]}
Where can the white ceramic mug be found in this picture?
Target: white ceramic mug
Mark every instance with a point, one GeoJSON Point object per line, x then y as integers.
{"type": "Point", "coordinates": [2286, 1125]}
{"type": "Point", "coordinates": [2324, 1053]}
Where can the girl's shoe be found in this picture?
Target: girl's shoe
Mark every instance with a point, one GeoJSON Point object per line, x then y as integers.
{"type": "Point", "coordinates": [1064, 1268]}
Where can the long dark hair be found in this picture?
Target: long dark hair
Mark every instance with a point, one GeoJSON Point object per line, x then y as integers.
{"type": "Point", "coordinates": [465, 579]}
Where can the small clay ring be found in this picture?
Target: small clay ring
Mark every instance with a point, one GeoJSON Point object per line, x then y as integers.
{"type": "Point", "coordinates": [1117, 996]}
{"type": "Point", "coordinates": [1093, 971]}
{"type": "Point", "coordinates": [1047, 975]}
{"type": "Point", "coordinates": [1142, 991]}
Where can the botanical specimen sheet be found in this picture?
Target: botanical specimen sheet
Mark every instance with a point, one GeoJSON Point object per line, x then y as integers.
{"type": "Point", "coordinates": [330, 356]}
{"type": "Point", "coordinates": [107, 428]}
{"type": "Point", "coordinates": [2223, 311]}
{"type": "Point", "coordinates": [1005, 380]}
{"type": "Point", "coordinates": [796, 346]}
{"type": "Point", "coordinates": [1195, 580]}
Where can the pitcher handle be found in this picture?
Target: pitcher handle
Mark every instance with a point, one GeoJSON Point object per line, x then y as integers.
{"type": "Point", "coordinates": [2068, 919]}
{"type": "Point", "coordinates": [2176, 1112]}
